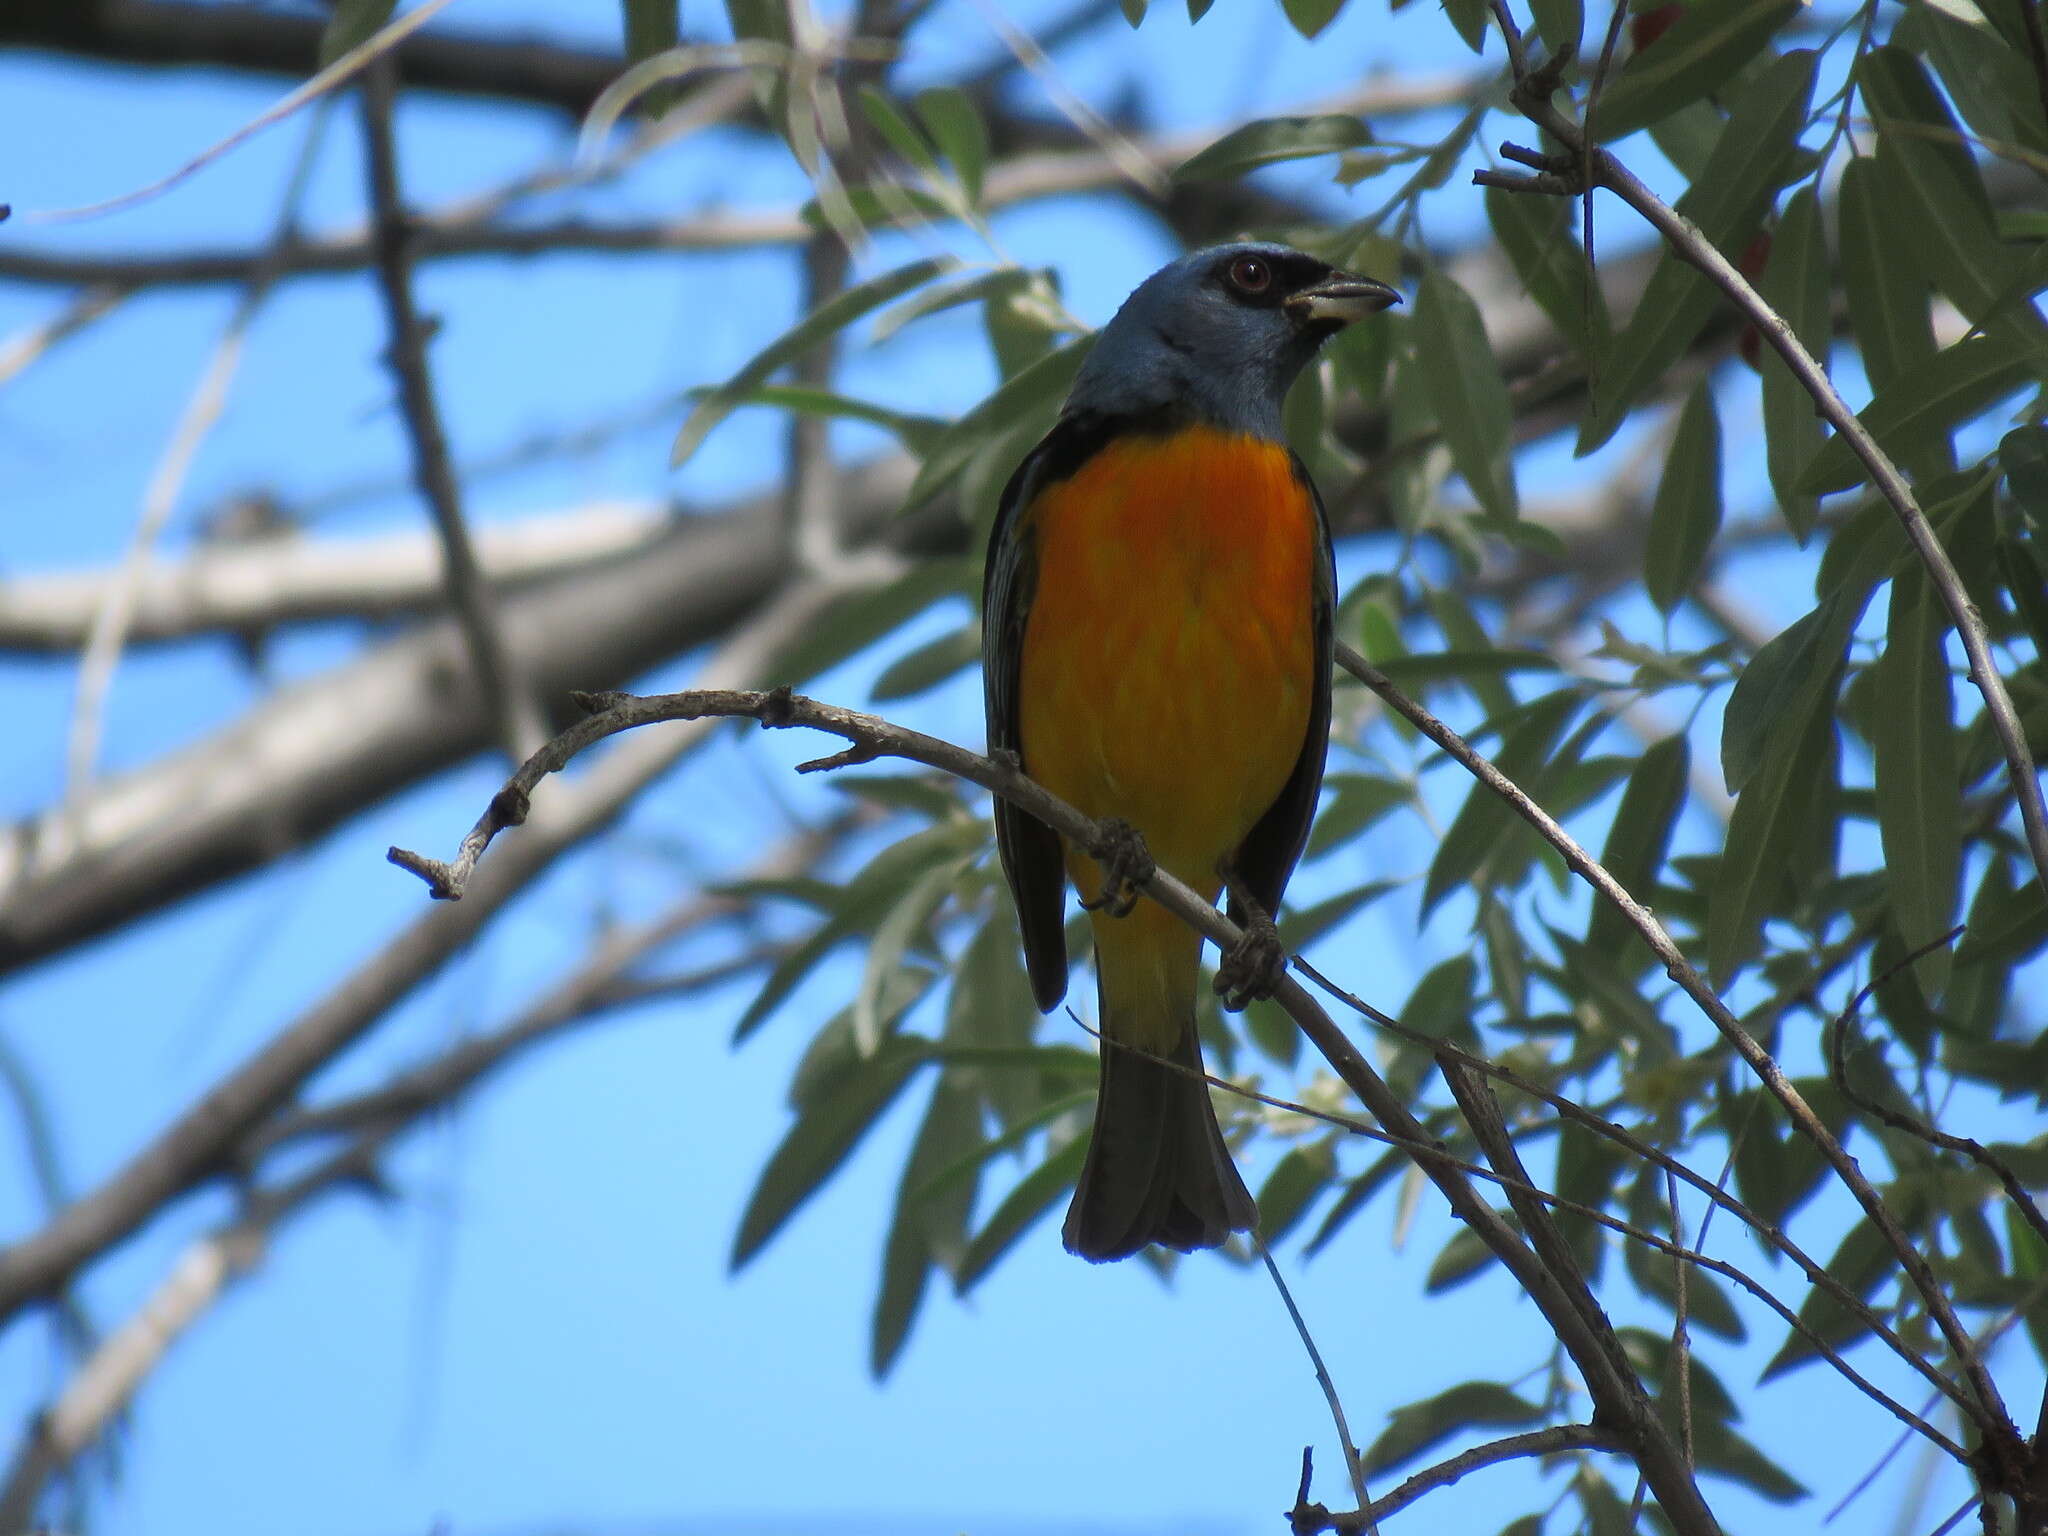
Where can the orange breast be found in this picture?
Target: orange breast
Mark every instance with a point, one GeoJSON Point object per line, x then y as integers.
{"type": "Point", "coordinates": [1169, 655]}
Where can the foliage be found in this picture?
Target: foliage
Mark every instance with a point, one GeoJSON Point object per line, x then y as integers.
{"type": "Point", "coordinates": [1877, 174]}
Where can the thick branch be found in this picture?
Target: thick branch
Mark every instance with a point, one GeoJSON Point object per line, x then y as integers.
{"type": "Point", "coordinates": [200, 1143]}
{"type": "Point", "coordinates": [315, 752]}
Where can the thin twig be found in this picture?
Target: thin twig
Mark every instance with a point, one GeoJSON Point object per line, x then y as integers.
{"type": "Point", "coordinates": [1308, 1519]}
{"type": "Point", "coordinates": [499, 678]}
{"type": "Point", "coordinates": [1354, 1465]}
{"type": "Point", "coordinates": [1837, 1037]}
{"type": "Point", "coordinates": [107, 637]}
{"type": "Point", "coordinates": [342, 69]}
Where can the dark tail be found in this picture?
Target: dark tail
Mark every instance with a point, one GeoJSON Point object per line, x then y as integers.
{"type": "Point", "coordinates": [1157, 1170]}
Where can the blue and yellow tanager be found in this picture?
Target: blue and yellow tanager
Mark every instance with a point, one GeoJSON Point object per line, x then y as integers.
{"type": "Point", "coordinates": [1156, 644]}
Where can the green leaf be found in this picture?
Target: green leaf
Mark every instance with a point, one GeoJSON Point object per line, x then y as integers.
{"type": "Point", "coordinates": [1033, 1196]}
{"type": "Point", "coordinates": [1467, 391]}
{"type": "Point", "coordinates": [891, 122]}
{"type": "Point", "coordinates": [1727, 200]}
{"type": "Point", "coordinates": [1798, 286]}
{"type": "Point", "coordinates": [1413, 1429]}
{"type": "Point", "coordinates": [1464, 1256]}
{"type": "Point", "coordinates": [1035, 392]}
{"type": "Point", "coordinates": [924, 668]}
{"type": "Point", "coordinates": [1587, 1164]}
{"type": "Point", "coordinates": [1560, 24]}
{"type": "Point", "coordinates": [1465, 666]}
{"type": "Point", "coordinates": [827, 320]}
{"type": "Point", "coordinates": [1776, 690]}
{"type": "Point", "coordinates": [1639, 839]}
{"type": "Point", "coordinates": [943, 296]}
{"type": "Point", "coordinates": [915, 432]}
{"type": "Point", "coordinates": [1308, 17]}
{"type": "Point", "coordinates": [1706, 1305]}
{"type": "Point", "coordinates": [824, 1135]}
{"type": "Point", "coordinates": [1272, 140]}
{"type": "Point", "coordinates": [1987, 76]}
{"type": "Point", "coordinates": [355, 22]}
{"type": "Point", "coordinates": [1709, 42]}
{"type": "Point", "coordinates": [1935, 195]}
{"type": "Point", "coordinates": [1134, 10]}
{"type": "Point", "coordinates": [1536, 233]}
{"type": "Point", "coordinates": [861, 903]}
{"type": "Point", "coordinates": [1957, 385]}
{"type": "Point", "coordinates": [1860, 1263]}
{"type": "Point", "coordinates": [1197, 9]}
{"type": "Point", "coordinates": [1776, 810]}
{"type": "Point", "coordinates": [1919, 801]}
{"type": "Point", "coordinates": [1719, 1449]}
{"type": "Point", "coordinates": [862, 617]}
{"type": "Point", "coordinates": [1356, 801]}
{"type": "Point", "coordinates": [1302, 926]}
{"type": "Point", "coordinates": [1888, 309]}
{"type": "Point", "coordinates": [1292, 1187]}
{"type": "Point", "coordinates": [651, 27]}
{"type": "Point", "coordinates": [1485, 819]}
{"type": "Point", "coordinates": [905, 918]}
{"type": "Point", "coordinates": [899, 792]}
{"type": "Point", "coordinates": [955, 125]}
{"type": "Point", "coordinates": [1686, 515]}
{"type": "Point", "coordinates": [1468, 19]}
{"type": "Point", "coordinates": [928, 1229]}
{"type": "Point", "coordinates": [2023, 459]}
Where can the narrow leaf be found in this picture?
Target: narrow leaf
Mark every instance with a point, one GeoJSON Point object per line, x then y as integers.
{"type": "Point", "coordinates": [1272, 140]}
{"type": "Point", "coordinates": [1797, 285]}
{"type": "Point", "coordinates": [826, 321]}
{"type": "Point", "coordinates": [823, 1136]}
{"type": "Point", "coordinates": [1919, 802]}
{"type": "Point", "coordinates": [1467, 391]}
{"type": "Point", "coordinates": [1686, 515]}
{"type": "Point", "coordinates": [1955, 386]}
{"type": "Point", "coordinates": [1709, 42]}
{"type": "Point", "coordinates": [1033, 1196]}
{"type": "Point", "coordinates": [1413, 1429]}
{"type": "Point", "coordinates": [928, 1229]}
{"type": "Point", "coordinates": [1640, 838]}
{"type": "Point", "coordinates": [1727, 200]}
{"type": "Point", "coordinates": [1888, 309]}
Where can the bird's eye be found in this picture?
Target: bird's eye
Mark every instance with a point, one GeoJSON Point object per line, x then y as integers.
{"type": "Point", "coordinates": [1249, 275]}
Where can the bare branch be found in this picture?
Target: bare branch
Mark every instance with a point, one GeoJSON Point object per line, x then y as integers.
{"type": "Point", "coordinates": [200, 1143]}
{"type": "Point", "coordinates": [287, 578]}
{"type": "Point", "coordinates": [1614, 1388]}
{"type": "Point", "coordinates": [1307, 1519]}
{"type": "Point", "coordinates": [317, 751]}
{"type": "Point", "coordinates": [506, 692]}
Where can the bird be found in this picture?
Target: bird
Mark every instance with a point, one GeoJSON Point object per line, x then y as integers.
{"type": "Point", "coordinates": [1157, 613]}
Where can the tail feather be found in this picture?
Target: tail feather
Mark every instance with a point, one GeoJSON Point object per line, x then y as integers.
{"type": "Point", "coordinates": [1157, 1170]}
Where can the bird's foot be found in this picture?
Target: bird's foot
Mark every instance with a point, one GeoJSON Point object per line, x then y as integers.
{"type": "Point", "coordinates": [1126, 865]}
{"type": "Point", "coordinates": [1251, 969]}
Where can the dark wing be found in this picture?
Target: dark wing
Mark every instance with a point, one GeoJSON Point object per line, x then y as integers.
{"type": "Point", "coordinates": [1267, 855]}
{"type": "Point", "coordinates": [1030, 850]}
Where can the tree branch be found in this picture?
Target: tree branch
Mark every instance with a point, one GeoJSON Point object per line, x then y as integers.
{"type": "Point", "coordinates": [1307, 1519]}
{"type": "Point", "coordinates": [1616, 1393]}
{"type": "Point", "coordinates": [507, 695]}
{"type": "Point", "coordinates": [200, 1143]}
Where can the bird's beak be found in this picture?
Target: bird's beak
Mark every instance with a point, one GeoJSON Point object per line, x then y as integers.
{"type": "Point", "coordinates": [1339, 299]}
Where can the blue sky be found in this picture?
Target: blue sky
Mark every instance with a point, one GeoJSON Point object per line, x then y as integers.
{"type": "Point", "coordinates": [542, 1334]}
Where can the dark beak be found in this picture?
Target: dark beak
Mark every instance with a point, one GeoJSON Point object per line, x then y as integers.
{"type": "Point", "coordinates": [1339, 299]}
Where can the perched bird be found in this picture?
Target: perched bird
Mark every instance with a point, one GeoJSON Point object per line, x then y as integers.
{"type": "Point", "coordinates": [1156, 644]}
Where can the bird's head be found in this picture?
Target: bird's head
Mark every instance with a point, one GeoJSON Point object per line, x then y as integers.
{"type": "Point", "coordinates": [1222, 333]}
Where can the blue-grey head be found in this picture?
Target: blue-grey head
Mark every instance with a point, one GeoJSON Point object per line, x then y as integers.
{"type": "Point", "coordinates": [1219, 336]}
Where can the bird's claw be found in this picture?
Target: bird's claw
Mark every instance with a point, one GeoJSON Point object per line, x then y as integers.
{"type": "Point", "coordinates": [1126, 865]}
{"type": "Point", "coordinates": [1251, 969]}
